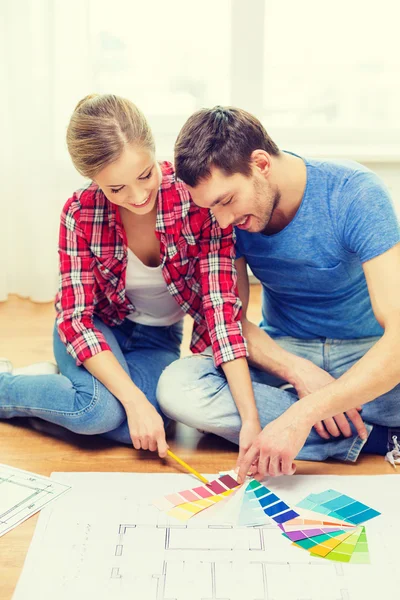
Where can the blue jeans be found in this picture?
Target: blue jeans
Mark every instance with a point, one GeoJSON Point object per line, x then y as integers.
{"type": "Point", "coordinates": [78, 401]}
{"type": "Point", "coordinates": [193, 391]}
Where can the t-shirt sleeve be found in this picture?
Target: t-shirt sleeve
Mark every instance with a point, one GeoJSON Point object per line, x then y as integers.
{"type": "Point", "coordinates": [368, 224]}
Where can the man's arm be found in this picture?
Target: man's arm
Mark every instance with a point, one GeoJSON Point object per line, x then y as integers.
{"type": "Point", "coordinates": [302, 374]}
{"type": "Point", "coordinates": [376, 373]}
{"type": "Point", "coordinates": [267, 355]}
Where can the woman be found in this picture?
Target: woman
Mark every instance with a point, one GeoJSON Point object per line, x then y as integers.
{"type": "Point", "coordinates": [135, 254]}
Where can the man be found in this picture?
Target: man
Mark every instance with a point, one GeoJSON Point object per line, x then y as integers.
{"type": "Point", "coordinates": [323, 239]}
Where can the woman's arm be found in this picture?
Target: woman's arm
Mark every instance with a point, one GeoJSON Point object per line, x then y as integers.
{"type": "Point", "coordinates": [85, 343]}
{"type": "Point", "coordinates": [222, 309]}
{"type": "Point", "coordinates": [145, 424]}
{"type": "Point", "coordinates": [75, 298]}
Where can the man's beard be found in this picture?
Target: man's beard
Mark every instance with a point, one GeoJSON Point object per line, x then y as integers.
{"type": "Point", "coordinates": [272, 205]}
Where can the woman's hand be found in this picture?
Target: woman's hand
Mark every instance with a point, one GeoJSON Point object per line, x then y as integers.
{"type": "Point", "coordinates": [146, 426]}
{"type": "Point", "coordinates": [248, 433]}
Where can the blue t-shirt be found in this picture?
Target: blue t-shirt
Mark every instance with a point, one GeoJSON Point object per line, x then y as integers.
{"type": "Point", "coordinates": [311, 271]}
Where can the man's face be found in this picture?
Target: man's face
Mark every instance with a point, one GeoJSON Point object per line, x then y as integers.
{"type": "Point", "coordinates": [246, 202]}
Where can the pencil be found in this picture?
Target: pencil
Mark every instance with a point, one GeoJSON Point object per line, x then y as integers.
{"type": "Point", "coordinates": [186, 466]}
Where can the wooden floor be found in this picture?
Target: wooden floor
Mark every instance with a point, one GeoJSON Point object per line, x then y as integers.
{"type": "Point", "coordinates": [25, 337]}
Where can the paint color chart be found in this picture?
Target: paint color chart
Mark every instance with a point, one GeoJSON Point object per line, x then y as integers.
{"type": "Point", "coordinates": [337, 505]}
{"type": "Point", "coordinates": [259, 502]}
{"type": "Point", "coordinates": [327, 524]}
{"type": "Point", "coordinates": [344, 542]}
{"type": "Point", "coordinates": [184, 505]}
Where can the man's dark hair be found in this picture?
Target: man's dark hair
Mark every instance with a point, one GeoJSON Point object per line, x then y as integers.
{"type": "Point", "coordinates": [222, 137]}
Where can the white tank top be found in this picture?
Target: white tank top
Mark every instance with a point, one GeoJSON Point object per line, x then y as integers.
{"type": "Point", "coordinates": [148, 292]}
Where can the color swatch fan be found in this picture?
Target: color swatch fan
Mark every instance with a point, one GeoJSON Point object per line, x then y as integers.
{"type": "Point", "coordinates": [260, 505]}
{"type": "Point", "coordinates": [187, 503]}
{"type": "Point", "coordinates": [328, 525]}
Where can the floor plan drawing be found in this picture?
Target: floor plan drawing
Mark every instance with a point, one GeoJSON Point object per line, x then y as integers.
{"type": "Point", "coordinates": [22, 494]}
{"type": "Point", "coordinates": [217, 579]}
{"type": "Point", "coordinates": [105, 540]}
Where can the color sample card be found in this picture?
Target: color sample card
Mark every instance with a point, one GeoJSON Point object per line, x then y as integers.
{"type": "Point", "coordinates": [251, 513]}
{"type": "Point", "coordinates": [337, 505]}
{"type": "Point", "coordinates": [345, 550]}
{"type": "Point", "coordinates": [294, 536]}
{"type": "Point", "coordinates": [316, 525]}
{"type": "Point", "coordinates": [187, 510]}
{"type": "Point", "coordinates": [360, 555]}
{"type": "Point", "coordinates": [270, 503]}
{"type": "Point", "coordinates": [202, 492]}
{"type": "Point", "coordinates": [307, 517]}
{"type": "Point", "coordinates": [327, 546]}
{"type": "Point", "coordinates": [316, 540]}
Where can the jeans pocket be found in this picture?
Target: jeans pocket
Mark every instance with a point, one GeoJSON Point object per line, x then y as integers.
{"type": "Point", "coordinates": [175, 332]}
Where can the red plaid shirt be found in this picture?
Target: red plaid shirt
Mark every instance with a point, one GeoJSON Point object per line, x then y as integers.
{"type": "Point", "coordinates": [197, 259]}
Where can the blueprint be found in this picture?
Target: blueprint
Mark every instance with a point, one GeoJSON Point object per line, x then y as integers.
{"type": "Point", "coordinates": [105, 540]}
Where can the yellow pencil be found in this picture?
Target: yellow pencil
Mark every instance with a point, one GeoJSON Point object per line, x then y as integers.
{"type": "Point", "coordinates": [186, 466]}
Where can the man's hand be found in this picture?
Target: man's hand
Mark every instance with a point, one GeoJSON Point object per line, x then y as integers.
{"type": "Point", "coordinates": [248, 433]}
{"type": "Point", "coordinates": [339, 425]}
{"type": "Point", "coordinates": [275, 448]}
{"type": "Point", "coordinates": [308, 379]}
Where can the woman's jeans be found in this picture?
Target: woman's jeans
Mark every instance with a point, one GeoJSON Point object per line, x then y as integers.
{"type": "Point", "coordinates": [78, 401]}
{"type": "Point", "coordinates": [194, 392]}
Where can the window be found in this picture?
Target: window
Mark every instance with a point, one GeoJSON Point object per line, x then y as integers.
{"type": "Point", "coordinates": [332, 65]}
{"type": "Point", "coordinates": [332, 73]}
{"type": "Point", "coordinates": [316, 74]}
{"type": "Point", "coordinates": [170, 58]}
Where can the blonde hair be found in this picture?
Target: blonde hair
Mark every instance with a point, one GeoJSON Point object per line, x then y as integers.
{"type": "Point", "coordinates": [100, 126]}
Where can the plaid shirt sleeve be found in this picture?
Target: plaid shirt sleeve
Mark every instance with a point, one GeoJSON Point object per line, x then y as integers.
{"type": "Point", "coordinates": [75, 296]}
{"type": "Point", "coordinates": [221, 303]}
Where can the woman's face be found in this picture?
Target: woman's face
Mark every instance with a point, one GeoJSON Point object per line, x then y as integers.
{"type": "Point", "coordinates": [132, 181]}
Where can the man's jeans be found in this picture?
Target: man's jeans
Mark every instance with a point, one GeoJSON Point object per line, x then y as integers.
{"type": "Point", "coordinates": [78, 401]}
{"type": "Point", "coordinates": [194, 392]}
